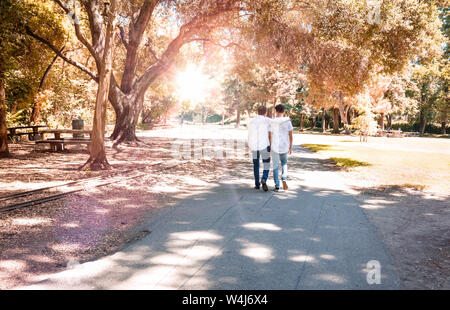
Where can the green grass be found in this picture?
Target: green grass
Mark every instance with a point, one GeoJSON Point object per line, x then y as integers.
{"type": "Point", "coordinates": [348, 162]}
{"type": "Point", "coordinates": [318, 147]}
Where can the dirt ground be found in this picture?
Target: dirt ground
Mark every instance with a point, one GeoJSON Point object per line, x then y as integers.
{"type": "Point", "coordinates": [45, 239]}
{"type": "Point", "coordinates": [414, 226]}
{"type": "Point", "coordinates": [404, 193]}
{"type": "Point", "coordinates": [34, 242]}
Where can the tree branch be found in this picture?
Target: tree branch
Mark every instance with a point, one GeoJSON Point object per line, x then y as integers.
{"type": "Point", "coordinates": [60, 54]}
{"type": "Point", "coordinates": [96, 27]}
{"type": "Point", "coordinates": [216, 43]}
{"type": "Point", "coordinates": [122, 37]}
{"type": "Point", "coordinates": [136, 32]}
{"type": "Point", "coordinates": [148, 45]}
{"type": "Point", "coordinates": [78, 32]}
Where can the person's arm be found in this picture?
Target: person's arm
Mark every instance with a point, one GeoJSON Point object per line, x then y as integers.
{"type": "Point", "coordinates": [270, 140]}
{"type": "Point", "coordinates": [280, 120]}
{"type": "Point", "coordinates": [291, 141]}
{"type": "Point", "coordinates": [250, 133]}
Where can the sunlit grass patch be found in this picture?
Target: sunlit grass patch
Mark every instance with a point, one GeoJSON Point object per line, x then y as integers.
{"type": "Point", "coordinates": [417, 187]}
{"type": "Point", "coordinates": [387, 189]}
{"type": "Point", "coordinates": [349, 163]}
{"type": "Point", "coordinates": [318, 147]}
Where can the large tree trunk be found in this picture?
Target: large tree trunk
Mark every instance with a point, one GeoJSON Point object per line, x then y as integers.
{"type": "Point", "coordinates": [97, 159]}
{"type": "Point", "coordinates": [422, 122]}
{"type": "Point", "coordinates": [336, 120]}
{"type": "Point", "coordinates": [204, 116]}
{"type": "Point", "coordinates": [389, 121]}
{"type": "Point", "coordinates": [381, 121]}
{"type": "Point", "coordinates": [238, 117]}
{"type": "Point", "coordinates": [127, 119]}
{"type": "Point", "coordinates": [343, 110]}
{"type": "Point", "coordinates": [327, 120]}
{"type": "Point", "coordinates": [4, 152]}
{"type": "Point", "coordinates": [444, 128]}
{"type": "Point", "coordinates": [313, 122]}
{"type": "Point", "coordinates": [302, 117]}
{"type": "Point", "coordinates": [349, 115]}
{"type": "Point", "coordinates": [324, 121]}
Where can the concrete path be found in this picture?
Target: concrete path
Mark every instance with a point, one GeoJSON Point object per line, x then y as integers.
{"type": "Point", "coordinates": [230, 236]}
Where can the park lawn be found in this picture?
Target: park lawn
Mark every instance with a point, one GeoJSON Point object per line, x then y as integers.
{"type": "Point", "coordinates": [383, 167]}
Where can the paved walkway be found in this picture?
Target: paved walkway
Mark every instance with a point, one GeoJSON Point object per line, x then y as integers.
{"type": "Point", "coordinates": [229, 236]}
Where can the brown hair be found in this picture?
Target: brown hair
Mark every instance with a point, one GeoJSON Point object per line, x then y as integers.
{"type": "Point", "coordinates": [280, 108]}
{"type": "Point", "coordinates": [262, 110]}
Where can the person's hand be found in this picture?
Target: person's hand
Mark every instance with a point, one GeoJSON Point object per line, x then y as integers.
{"type": "Point", "coordinates": [268, 149]}
{"type": "Point", "coordinates": [290, 150]}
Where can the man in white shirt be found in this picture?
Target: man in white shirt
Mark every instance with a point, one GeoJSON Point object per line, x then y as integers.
{"type": "Point", "coordinates": [259, 144]}
{"type": "Point", "coordinates": [259, 139]}
{"type": "Point", "coordinates": [282, 139]}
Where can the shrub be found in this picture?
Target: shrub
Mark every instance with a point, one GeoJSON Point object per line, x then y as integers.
{"type": "Point", "coordinates": [214, 118]}
{"type": "Point", "coordinates": [296, 122]}
{"type": "Point", "coordinates": [414, 127]}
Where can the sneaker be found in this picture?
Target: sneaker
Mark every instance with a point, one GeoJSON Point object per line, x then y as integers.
{"type": "Point", "coordinates": [285, 186]}
{"type": "Point", "coordinates": [264, 186]}
{"type": "Point", "coordinates": [277, 189]}
{"type": "Point", "coordinates": [256, 187]}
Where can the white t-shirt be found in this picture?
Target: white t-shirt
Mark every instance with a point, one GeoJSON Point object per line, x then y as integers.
{"type": "Point", "coordinates": [258, 133]}
{"type": "Point", "coordinates": [280, 135]}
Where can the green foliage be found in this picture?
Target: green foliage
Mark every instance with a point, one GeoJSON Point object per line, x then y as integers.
{"type": "Point", "coordinates": [23, 57]}
{"type": "Point", "coordinates": [17, 118]}
{"type": "Point", "coordinates": [296, 122]}
{"type": "Point", "coordinates": [332, 43]}
{"type": "Point", "coordinates": [214, 118]}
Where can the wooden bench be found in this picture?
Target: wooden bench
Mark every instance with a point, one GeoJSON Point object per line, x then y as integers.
{"type": "Point", "coordinates": [31, 135]}
{"type": "Point", "coordinates": [58, 145]}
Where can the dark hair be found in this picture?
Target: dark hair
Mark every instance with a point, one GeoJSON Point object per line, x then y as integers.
{"type": "Point", "coordinates": [262, 110]}
{"type": "Point", "coordinates": [280, 108]}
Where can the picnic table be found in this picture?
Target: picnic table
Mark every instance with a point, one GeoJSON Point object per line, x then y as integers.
{"type": "Point", "coordinates": [58, 132]}
{"type": "Point", "coordinates": [31, 135]}
{"type": "Point", "coordinates": [57, 143]}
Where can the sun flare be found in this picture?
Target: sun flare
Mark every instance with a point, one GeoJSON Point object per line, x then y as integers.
{"type": "Point", "coordinates": [192, 85]}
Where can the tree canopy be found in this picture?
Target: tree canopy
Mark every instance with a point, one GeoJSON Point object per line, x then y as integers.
{"type": "Point", "coordinates": [343, 55]}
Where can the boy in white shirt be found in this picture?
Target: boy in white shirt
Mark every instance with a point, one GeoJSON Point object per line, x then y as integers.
{"type": "Point", "coordinates": [259, 144]}
{"type": "Point", "coordinates": [282, 139]}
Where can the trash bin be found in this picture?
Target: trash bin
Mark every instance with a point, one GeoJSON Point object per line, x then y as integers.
{"type": "Point", "coordinates": [78, 123]}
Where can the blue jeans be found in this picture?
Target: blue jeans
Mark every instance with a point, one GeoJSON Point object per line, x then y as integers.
{"type": "Point", "coordinates": [257, 155]}
{"type": "Point", "coordinates": [277, 158]}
